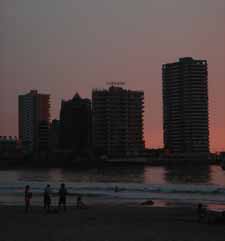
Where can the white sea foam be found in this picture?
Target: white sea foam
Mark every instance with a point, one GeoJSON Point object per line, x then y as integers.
{"type": "Point", "coordinates": [125, 191]}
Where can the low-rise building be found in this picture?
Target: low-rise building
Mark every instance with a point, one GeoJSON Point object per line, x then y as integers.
{"type": "Point", "coordinates": [10, 147]}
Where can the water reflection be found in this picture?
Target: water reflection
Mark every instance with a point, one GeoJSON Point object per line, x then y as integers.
{"type": "Point", "coordinates": [154, 175]}
{"type": "Point", "coordinates": [127, 174]}
{"type": "Point", "coordinates": [56, 175]}
{"type": "Point", "coordinates": [34, 175]}
{"type": "Point", "coordinates": [217, 175]}
{"type": "Point", "coordinates": [187, 174]}
{"type": "Point", "coordinates": [8, 176]}
{"type": "Point", "coordinates": [108, 174]}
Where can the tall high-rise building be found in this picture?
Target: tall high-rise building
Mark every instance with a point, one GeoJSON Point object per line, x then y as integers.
{"type": "Point", "coordinates": [33, 120]}
{"type": "Point", "coordinates": [75, 124]}
{"type": "Point", "coordinates": [118, 121]}
{"type": "Point", "coordinates": [185, 106]}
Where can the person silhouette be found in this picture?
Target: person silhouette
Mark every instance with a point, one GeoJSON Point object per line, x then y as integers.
{"type": "Point", "coordinates": [202, 212]}
{"type": "Point", "coordinates": [62, 196]}
{"type": "Point", "coordinates": [47, 198]}
{"type": "Point", "coordinates": [27, 197]}
{"type": "Point", "coordinates": [80, 203]}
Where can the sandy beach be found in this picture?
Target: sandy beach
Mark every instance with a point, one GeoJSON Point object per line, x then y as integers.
{"type": "Point", "coordinates": [107, 223]}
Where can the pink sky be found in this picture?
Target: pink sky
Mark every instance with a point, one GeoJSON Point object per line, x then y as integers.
{"type": "Point", "coordinates": [63, 47]}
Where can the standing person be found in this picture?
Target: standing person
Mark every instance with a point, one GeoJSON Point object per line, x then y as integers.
{"type": "Point", "coordinates": [27, 196]}
{"type": "Point", "coordinates": [47, 198]}
{"type": "Point", "coordinates": [62, 196]}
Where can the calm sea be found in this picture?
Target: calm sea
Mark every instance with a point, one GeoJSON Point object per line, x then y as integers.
{"type": "Point", "coordinates": [131, 184]}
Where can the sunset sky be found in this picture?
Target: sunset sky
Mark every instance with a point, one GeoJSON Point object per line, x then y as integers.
{"type": "Point", "coordinates": [65, 46]}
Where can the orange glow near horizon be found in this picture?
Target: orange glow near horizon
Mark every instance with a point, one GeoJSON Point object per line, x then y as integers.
{"type": "Point", "coordinates": [76, 46]}
{"type": "Point", "coordinates": [217, 139]}
{"type": "Point", "coordinates": [153, 139]}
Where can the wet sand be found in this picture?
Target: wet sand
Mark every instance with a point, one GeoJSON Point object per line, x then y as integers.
{"type": "Point", "coordinates": [107, 223]}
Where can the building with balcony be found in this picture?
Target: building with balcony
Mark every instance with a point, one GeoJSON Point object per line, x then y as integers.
{"type": "Point", "coordinates": [185, 106]}
{"type": "Point", "coordinates": [118, 121]}
{"type": "Point", "coordinates": [33, 120]}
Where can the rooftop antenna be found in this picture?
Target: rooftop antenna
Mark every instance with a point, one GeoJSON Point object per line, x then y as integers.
{"type": "Point", "coordinates": [118, 83]}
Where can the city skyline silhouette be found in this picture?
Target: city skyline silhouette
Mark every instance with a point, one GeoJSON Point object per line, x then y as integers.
{"type": "Point", "coordinates": [77, 46]}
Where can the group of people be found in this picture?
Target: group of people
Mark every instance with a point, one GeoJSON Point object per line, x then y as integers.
{"type": "Point", "coordinates": [47, 198]}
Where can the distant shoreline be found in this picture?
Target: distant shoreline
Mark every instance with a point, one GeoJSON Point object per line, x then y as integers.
{"type": "Point", "coordinates": [22, 164]}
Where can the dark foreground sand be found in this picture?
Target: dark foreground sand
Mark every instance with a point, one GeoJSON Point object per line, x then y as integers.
{"type": "Point", "coordinates": [107, 223]}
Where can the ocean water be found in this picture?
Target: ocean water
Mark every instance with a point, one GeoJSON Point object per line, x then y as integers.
{"type": "Point", "coordinates": [122, 184]}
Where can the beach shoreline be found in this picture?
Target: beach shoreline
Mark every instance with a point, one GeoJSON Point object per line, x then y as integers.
{"type": "Point", "coordinates": [113, 222]}
{"type": "Point", "coordinates": [95, 200]}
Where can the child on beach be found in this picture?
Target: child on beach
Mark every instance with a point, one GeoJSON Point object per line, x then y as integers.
{"type": "Point", "coordinates": [202, 212]}
{"type": "Point", "coordinates": [28, 196]}
{"type": "Point", "coordinates": [80, 203]}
